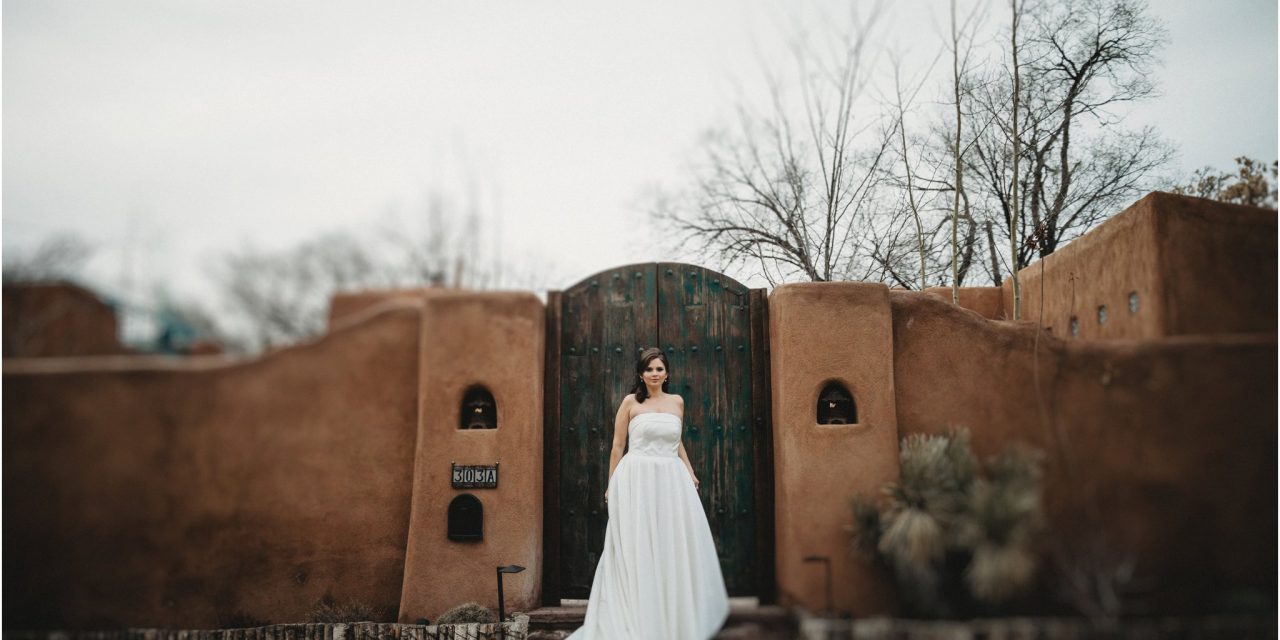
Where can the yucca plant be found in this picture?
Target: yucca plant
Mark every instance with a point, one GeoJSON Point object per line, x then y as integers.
{"type": "Point", "coordinates": [330, 610]}
{"type": "Point", "coordinates": [954, 538]}
{"type": "Point", "coordinates": [1003, 517]}
{"type": "Point", "coordinates": [468, 612]}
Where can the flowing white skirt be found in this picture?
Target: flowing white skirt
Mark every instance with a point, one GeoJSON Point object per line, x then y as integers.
{"type": "Point", "coordinates": [658, 577]}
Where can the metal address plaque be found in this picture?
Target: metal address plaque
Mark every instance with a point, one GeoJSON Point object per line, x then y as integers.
{"type": "Point", "coordinates": [474, 476]}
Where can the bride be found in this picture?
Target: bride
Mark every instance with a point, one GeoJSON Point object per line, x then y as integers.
{"type": "Point", "coordinates": [658, 576]}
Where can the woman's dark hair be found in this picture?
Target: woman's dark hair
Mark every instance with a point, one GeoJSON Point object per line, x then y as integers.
{"type": "Point", "coordinates": [640, 389]}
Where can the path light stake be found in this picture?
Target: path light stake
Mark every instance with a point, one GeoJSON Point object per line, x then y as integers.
{"type": "Point", "coordinates": [502, 611]}
{"type": "Point", "coordinates": [827, 561]}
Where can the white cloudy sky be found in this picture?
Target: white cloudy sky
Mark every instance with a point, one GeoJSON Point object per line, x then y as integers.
{"type": "Point", "coordinates": [169, 132]}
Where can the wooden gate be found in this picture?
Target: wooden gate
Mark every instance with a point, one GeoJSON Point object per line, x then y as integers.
{"type": "Point", "coordinates": [714, 332]}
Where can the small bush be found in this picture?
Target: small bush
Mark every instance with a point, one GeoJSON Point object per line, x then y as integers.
{"type": "Point", "coordinates": [468, 612]}
{"type": "Point", "coordinates": [328, 611]}
{"type": "Point", "coordinates": [957, 541]}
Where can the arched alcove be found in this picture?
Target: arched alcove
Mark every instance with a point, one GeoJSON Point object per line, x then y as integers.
{"type": "Point", "coordinates": [836, 405]}
{"type": "Point", "coordinates": [466, 518]}
{"type": "Point", "coordinates": [479, 410]}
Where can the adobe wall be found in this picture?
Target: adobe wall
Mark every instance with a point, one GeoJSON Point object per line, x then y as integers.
{"type": "Point", "coordinates": [1195, 265]}
{"type": "Point", "coordinates": [1099, 269]}
{"type": "Point", "coordinates": [1220, 265]}
{"type": "Point", "coordinates": [346, 307]}
{"type": "Point", "coordinates": [1160, 448]}
{"type": "Point", "coordinates": [987, 302]}
{"type": "Point", "coordinates": [494, 339]}
{"type": "Point", "coordinates": [57, 319]}
{"type": "Point", "coordinates": [155, 492]}
{"type": "Point", "coordinates": [820, 332]}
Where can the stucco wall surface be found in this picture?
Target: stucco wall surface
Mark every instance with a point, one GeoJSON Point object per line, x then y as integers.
{"type": "Point", "coordinates": [1100, 268]}
{"type": "Point", "coordinates": [1219, 265]}
{"type": "Point", "coordinates": [820, 332]}
{"type": "Point", "coordinates": [1162, 451]}
{"type": "Point", "coordinates": [1195, 265]}
{"type": "Point", "coordinates": [57, 319]}
{"type": "Point", "coordinates": [346, 307]}
{"type": "Point", "coordinates": [495, 339]}
{"type": "Point", "coordinates": [987, 302]}
{"type": "Point", "coordinates": [183, 493]}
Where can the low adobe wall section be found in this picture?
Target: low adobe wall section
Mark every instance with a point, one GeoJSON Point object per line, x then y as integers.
{"type": "Point", "coordinates": [1167, 265]}
{"type": "Point", "coordinates": [154, 492]}
{"type": "Point", "coordinates": [1157, 451]}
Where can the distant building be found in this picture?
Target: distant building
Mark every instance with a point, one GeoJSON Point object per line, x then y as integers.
{"type": "Point", "coordinates": [62, 318]}
{"type": "Point", "coordinates": [58, 319]}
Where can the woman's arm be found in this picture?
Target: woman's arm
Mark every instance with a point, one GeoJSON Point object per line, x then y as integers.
{"type": "Point", "coordinates": [683, 455]}
{"type": "Point", "coordinates": [620, 423]}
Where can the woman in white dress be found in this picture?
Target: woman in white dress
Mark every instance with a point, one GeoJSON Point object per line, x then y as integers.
{"type": "Point", "coordinates": [658, 576]}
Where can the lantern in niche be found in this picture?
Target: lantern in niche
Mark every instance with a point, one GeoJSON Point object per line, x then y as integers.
{"type": "Point", "coordinates": [479, 411]}
{"type": "Point", "coordinates": [836, 405]}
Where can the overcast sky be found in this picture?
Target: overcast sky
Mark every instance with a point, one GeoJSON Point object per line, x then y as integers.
{"type": "Point", "coordinates": [170, 132]}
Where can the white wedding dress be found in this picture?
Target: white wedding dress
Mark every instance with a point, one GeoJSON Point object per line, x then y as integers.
{"type": "Point", "coordinates": [658, 576]}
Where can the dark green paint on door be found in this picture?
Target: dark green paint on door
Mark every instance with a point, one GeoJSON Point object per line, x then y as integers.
{"type": "Point", "coordinates": [703, 321]}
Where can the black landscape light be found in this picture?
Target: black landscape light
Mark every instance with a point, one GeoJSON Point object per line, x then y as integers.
{"type": "Point", "coordinates": [502, 611]}
{"type": "Point", "coordinates": [827, 561]}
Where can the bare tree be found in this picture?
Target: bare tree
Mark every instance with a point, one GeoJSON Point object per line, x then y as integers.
{"type": "Point", "coordinates": [282, 296]}
{"type": "Point", "coordinates": [792, 194]}
{"type": "Point", "coordinates": [1033, 155]}
{"type": "Point", "coordinates": [1249, 185]}
{"type": "Point", "coordinates": [1013, 183]}
{"type": "Point", "coordinates": [961, 39]}
{"type": "Point", "coordinates": [1076, 165]}
{"type": "Point", "coordinates": [901, 104]}
{"type": "Point", "coordinates": [59, 257]}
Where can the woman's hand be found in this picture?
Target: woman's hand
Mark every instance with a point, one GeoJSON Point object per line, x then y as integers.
{"type": "Point", "coordinates": [695, 481]}
{"type": "Point", "coordinates": [606, 496]}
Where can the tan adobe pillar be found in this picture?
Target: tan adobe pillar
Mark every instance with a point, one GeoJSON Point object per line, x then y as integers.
{"type": "Point", "coordinates": [494, 339]}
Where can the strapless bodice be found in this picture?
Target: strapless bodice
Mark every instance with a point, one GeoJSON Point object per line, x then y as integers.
{"type": "Point", "coordinates": [654, 433]}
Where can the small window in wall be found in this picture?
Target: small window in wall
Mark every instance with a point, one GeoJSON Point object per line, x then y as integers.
{"type": "Point", "coordinates": [1133, 302]}
{"type": "Point", "coordinates": [479, 411]}
{"type": "Point", "coordinates": [1102, 314]}
{"type": "Point", "coordinates": [836, 405]}
{"type": "Point", "coordinates": [1075, 326]}
{"type": "Point", "coordinates": [466, 518]}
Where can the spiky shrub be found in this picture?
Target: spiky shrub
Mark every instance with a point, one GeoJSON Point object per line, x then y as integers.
{"type": "Point", "coordinates": [1003, 518]}
{"type": "Point", "coordinates": [329, 610]}
{"type": "Point", "coordinates": [467, 612]}
{"type": "Point", "coordinates": [952, 537]}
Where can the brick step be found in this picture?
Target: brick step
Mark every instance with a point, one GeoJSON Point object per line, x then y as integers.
{"type": "Point", "coordinates": [767, 622]}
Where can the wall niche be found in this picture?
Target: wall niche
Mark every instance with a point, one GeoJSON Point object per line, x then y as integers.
{"type": "Point", "coordinates": [479, 410]}
{"type": "Point", "coordinates": [836, 405]}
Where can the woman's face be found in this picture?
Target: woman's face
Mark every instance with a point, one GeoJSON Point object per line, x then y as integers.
{"type": "Point", "coordinates": [655, 372]}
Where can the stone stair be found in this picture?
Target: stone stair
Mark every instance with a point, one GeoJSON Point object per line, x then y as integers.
{"type": "Point", "coordinates": [747, 620]}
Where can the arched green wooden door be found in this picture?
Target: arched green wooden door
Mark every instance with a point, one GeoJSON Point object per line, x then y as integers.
{"type": "Point", "coordinates": [712, 330]}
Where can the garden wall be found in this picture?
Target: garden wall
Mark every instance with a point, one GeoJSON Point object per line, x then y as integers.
{"type": "Point", "coordinates": [198, 492]}
{"type": "Point", "coordinates": [1159, 449]}
{"type": "Point", "coordinates": [1194, 266]}
{"type": "Point", "coordinates": [45, 319]}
